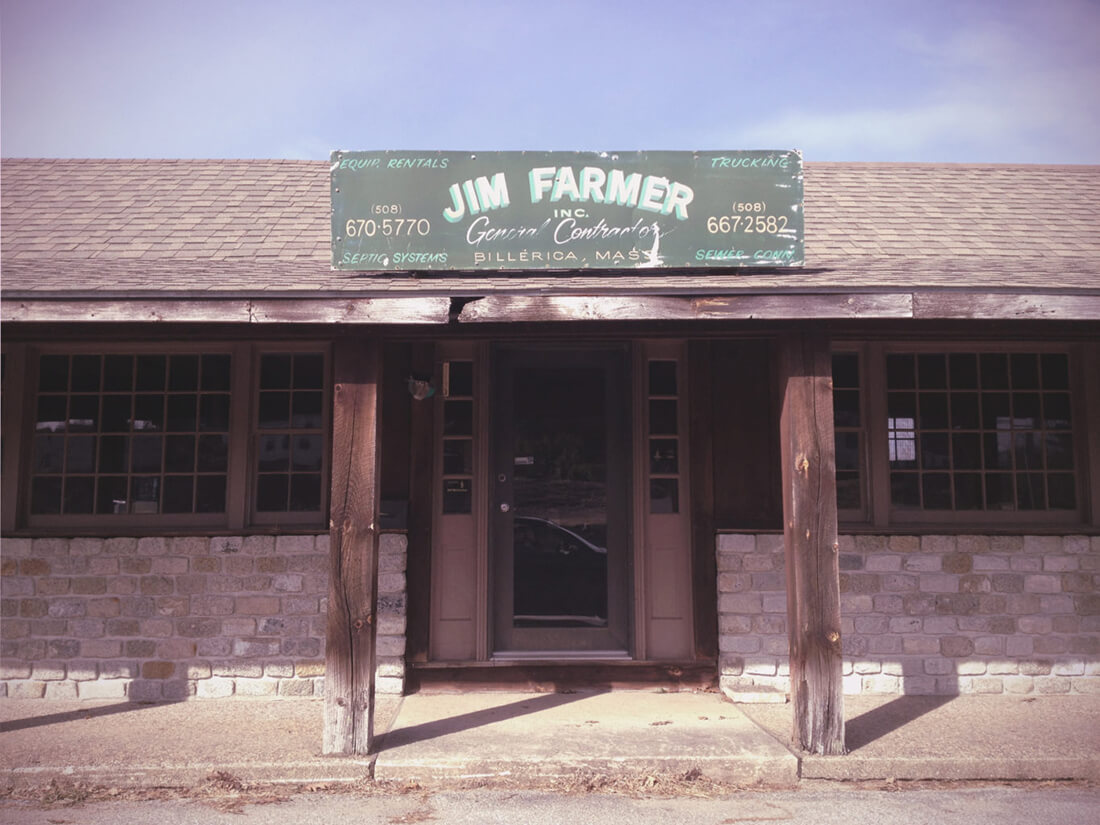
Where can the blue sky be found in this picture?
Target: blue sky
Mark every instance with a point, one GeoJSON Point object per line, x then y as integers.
{"type": "Point", "coordinates": [928, 80]}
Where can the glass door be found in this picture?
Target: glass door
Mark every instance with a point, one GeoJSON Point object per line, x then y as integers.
{"type": "Point", "coordinates": [559, 506]}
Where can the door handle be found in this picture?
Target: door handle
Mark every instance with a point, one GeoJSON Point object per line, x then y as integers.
{"type": "Point", "coordinates": [505, 507]}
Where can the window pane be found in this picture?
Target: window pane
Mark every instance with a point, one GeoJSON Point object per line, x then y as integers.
{"type": "Point", "coordinates": [49, 454]}
{"type": "Point", "coordinates": [46, 495]}
{"type": "Point", "coordinates": [214, 413]}
{"type": "Point", "coordinates": [662, 417]}
{"type": "Point", "coordinates": [274, 410]}
{"type": "Point", "coordinates": [905, 490]}
{"type": "Point", "coordinates": [846, 408]}
{"type": "Point", "coordinates": [1029, 491]}
{"type": "Point", "coordinates": [145, 494]}
{"type": "Point", "coordinates": [182, 413]}
{"type": "Point", "coordinates": [461, 378]}
{"type": "Point", "coordinates": [1059, 451]}
{"type": "Point", "coordinates": [52, 414]}
{"type": "Point", "coordinates": [86, 370]}
{"type": "Point", "coordinates": [184, 374]}
{"type": "Point", "coordinates": [178, 494]}
{"type": "Point", "coordinates": [1056, 411]}
{"type": "Point", "coordinates": [968, 491]}
{"type": "Point", "coordinates": [1025, 409]}
{"type": "Point", "coordinates": [964, 371]}
{"type": "Point", "coordinates": [931, 372]}
{"type": "Point", "coordinates": [271, 493]}
{"type": "Point", "coordinates": [80, 455]}
{"type": "Point", "coordinates": [936, 488]}
{"type": "Point", "coordinates": [994, 367]}
{"type": "Point", "coordinates": [83, 413]}
{"type": "Point", "coordinates": [306, 411]}
{"type": "Point", "coordinates": [215, 372]}
{"type": "Point", "coordinates": [53, 373]}
{"type": "Point", "coordinates": [307, 453]}
{"type": "Point", "coordinates": [662, 378]}
{"type": "Point", "coordinates": [1055, 371]}
{"type": "Point", "coordinates": [933, 411]}
{"type": "Point", "coordinates": [845, 371]}
{"type": "Point", "coordinates": [1061, 491]}
{"type": "Point", "coordinates": [458, 418]}
{"type": "Point", "coordinates": [964, 411]}
{"type": "Point", "coordinates": [275, 372]}
{"type": "Point", "coordinates": [456, 496]}
{"type": "Point", "coordinates": [995, 411]}
{"type": "Point", "coordinates": [146, 454]}
{"type": "Point", "coordinates": [966, 451]}
{"type": "Point", "coordinates": [664, 455]}
{"type": "Point", "coordinates": [309, 371]}
{"type": "Point", "coordinates": [114, 454]}
{"type": "Point", "coordinates": [179, 455]}
{"type": "Point", "coordinates": [664, 495]}
{"type": "Point", "coordinates": [151, 371]}
{"type": "Point", "coordinates": [1000, 491]}
{"type": "Point", "coordinates": [209, 494]}
{"type": "Point", "coordinates": [111, 495]}
{"type": "Point", "coordinates": [847, 451]}
{"type": "Point", "coordinates": [274, 453]}
{"type": "Point", "coordinates": [458, 457]}
{"type": "Point", "coordinates": [213, 453]}
{"type": "Point", "coordinates": [933, 451]}
{"type": "Point", "coordinates": [848, 493]}
{"type": "Point", "coordinates": [116, 413]}
{"type": "Point", "coordinates": [998, 451]}
{"type": "Point", "coordinates": [1025, 371]}
{"type": "Point", "coordinates": [305, 492]}
{"type": "Point", "coordinates": [79, 494]}
{"type": "Point", "coordinates": [901, 372]}
{"type": "Point", "coordinates": [148, 413]}
{"type": "Point", "coordinates": [118, 373]}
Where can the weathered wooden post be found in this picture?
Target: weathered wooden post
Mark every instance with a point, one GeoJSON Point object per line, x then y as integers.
{"type": "Point", "coordinates": [810, 539]}
{"type": "Point", "coordinates": [353, 532]}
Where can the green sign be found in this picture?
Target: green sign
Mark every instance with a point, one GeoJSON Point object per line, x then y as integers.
{"type": "Point", "coordinates": [565, 210]}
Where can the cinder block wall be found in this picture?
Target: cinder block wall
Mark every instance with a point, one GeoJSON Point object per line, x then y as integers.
{"type": "Point", "coordinates": [161, 619]}
{"type": "Point", "coordinates": [923, 615]}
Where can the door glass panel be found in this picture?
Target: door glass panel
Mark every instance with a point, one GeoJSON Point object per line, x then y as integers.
{"type": "Point", "coordinates": [559, 532]}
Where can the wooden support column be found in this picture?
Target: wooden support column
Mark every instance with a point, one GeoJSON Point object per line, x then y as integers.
{"type": "Point", "coordinates": [810, 539]}
{"type": "Point", "coordinates": [353, 534]}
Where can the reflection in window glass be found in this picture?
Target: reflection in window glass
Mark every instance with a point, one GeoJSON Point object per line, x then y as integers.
{"type": "Point", "coordinates": [290, 449]}
{"type": "Point", "coordinates": [116, 433]}
{"type": "Point", "coordinates": [985, 434]}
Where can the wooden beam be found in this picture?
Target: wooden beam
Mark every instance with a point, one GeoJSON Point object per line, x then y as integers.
{"type": "Point", "coordinates": [993, 307]}
{"type": "Point", "coordinates": [304, 310]}
{"type": "Point", "coordinates": [353, 537]}
{"type": "Point", "coordinates": [810, 538]}
{"type": "Point", "coordinates": [782, 306]}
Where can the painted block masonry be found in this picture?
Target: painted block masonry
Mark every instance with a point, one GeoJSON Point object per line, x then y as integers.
{"type": "Point", "coordinates": [937, 615]}
{"type": "Point", "coordinates": [162, 619]}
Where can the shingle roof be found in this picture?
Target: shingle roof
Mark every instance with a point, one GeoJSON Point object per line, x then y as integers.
{"type": "Point", "coordinates": [260, 228]}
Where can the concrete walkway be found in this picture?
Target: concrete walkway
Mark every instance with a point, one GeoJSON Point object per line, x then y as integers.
{"type": "Point", "coordinates": [533, 737]}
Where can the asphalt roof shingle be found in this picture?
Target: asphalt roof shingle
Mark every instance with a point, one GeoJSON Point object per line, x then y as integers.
{"type": "Point", "coordinates": [261, 227]}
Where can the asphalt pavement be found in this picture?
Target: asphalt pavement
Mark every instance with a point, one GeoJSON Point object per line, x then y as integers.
{"type": "Point", "coordinates": [535, 739]}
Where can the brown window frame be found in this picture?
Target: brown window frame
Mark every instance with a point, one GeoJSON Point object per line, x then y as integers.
{"type": "Point", "coordinates": [879, 512]}
{"type": "Point", "coordinates": [21, 366]}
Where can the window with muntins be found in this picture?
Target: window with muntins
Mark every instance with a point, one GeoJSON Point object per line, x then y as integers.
{"type": "Point", "coordinates": [164, 437]}
{"type": "Point", "coordinates": [960, 434]}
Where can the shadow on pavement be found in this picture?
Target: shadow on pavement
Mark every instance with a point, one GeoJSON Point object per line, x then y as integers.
{"type": "Point", "coordinates": [885, 719]}
{"type": "Point", "coordinates": [75, 715]}
{"type": "Point", "coordinates": [475, 719]}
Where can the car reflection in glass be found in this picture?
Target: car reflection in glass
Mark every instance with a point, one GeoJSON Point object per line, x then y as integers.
{"type": "Point", "coordinates": [560, 576]}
